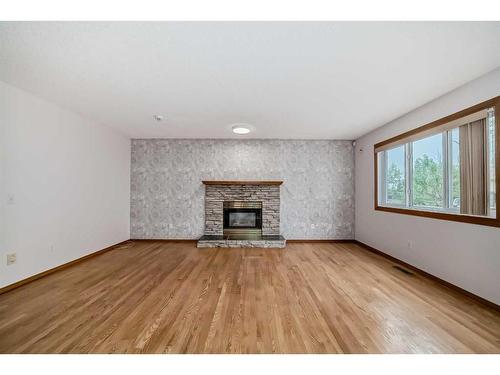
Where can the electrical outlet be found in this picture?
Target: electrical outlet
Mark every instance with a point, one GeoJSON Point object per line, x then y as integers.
{"type": "Point", "coordinates": [410, 244]}
{"type": "Point", "coordinates": [11, 258]}
{"type": "Point", "coordinates": [11, 199]}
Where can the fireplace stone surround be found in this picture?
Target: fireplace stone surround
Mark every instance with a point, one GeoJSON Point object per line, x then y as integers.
{"type": "Point", "coordinates": [265, 192]}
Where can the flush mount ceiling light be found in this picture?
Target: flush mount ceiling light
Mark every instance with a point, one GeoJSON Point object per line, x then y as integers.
{"type": "Point", "coordinates": [241, 129]}
{"type": "Point", "coordinates": [158, 117]}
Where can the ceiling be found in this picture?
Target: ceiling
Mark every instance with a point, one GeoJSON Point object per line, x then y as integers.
{"type": "Point", "coordinates": [304, 80]}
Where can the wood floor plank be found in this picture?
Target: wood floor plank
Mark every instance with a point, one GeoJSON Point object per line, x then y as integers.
{"type": "Point", "coordinates": [167, 297]}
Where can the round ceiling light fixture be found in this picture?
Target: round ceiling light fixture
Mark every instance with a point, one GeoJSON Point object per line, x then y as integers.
{"type": "Point", "coordinates": [241, 129]}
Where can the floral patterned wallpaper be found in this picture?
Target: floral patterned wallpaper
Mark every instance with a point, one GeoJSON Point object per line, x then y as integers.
{"type": "Point", "coordinates": [167, 196]}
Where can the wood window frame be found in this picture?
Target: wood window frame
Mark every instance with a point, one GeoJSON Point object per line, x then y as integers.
{"type": "Point", "coordinates": [480, 220]}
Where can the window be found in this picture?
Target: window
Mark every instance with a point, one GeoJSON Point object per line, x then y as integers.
{"type": "Point", "coordinates": [427, 172]}
{"type": "Point", "coordinates": [454, 173]}
{"type": "Point", "coordinates": [395, 185]}
{"type": "Point", "coordinates": [446, 169]}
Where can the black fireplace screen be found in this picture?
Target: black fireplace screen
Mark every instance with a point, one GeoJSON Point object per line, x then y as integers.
{"type": "Point", "coordinates": [242, 219]}
{"type": "Point", "coordinates": [242, 215]}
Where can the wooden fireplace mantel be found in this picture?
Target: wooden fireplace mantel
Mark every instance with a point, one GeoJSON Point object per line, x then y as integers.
{"type": "Point", "coordinates": [227, 182]}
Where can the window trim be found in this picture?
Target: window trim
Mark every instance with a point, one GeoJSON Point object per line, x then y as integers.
{"type": "Point", "coordinates": [480, 220]}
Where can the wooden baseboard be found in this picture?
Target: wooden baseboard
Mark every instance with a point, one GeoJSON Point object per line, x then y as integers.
{"type": "Point", "coordinates": [430, 276]}
{"type": "Point", "coordinates": [164, 240]}
{"type": "Point", "coordinates": [58, 268]}
{"type": "Point", "coordinates": [288, 241]}
{"type": "Point", "coordinates": [320, 241]}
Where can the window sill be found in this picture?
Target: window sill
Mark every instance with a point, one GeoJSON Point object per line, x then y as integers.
{"type": "Point", "coordinates": [442, 215]}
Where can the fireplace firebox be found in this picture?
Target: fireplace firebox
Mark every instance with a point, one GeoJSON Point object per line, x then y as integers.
{"type": "Point", "coordinates": [242, 218]}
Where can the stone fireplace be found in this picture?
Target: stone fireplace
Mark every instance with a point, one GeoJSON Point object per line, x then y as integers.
{"type": "Point", "coordinates": [242, 214]}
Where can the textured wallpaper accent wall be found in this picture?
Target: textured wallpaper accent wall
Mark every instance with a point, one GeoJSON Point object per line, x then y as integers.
{"type": "Point", "coordinates": [167, 196]}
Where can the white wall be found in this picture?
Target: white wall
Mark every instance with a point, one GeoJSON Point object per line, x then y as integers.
{"type": "Point", "coordinates": [466, 255]}
{"type": "Point", "coordinates": [70, 179]}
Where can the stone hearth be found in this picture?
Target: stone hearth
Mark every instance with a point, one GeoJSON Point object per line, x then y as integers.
{"type": "Point", "coordinates": [234, 241]}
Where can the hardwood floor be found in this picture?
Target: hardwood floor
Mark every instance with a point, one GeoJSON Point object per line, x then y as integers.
{"type": "Point", "coordinates": [164, 297]}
